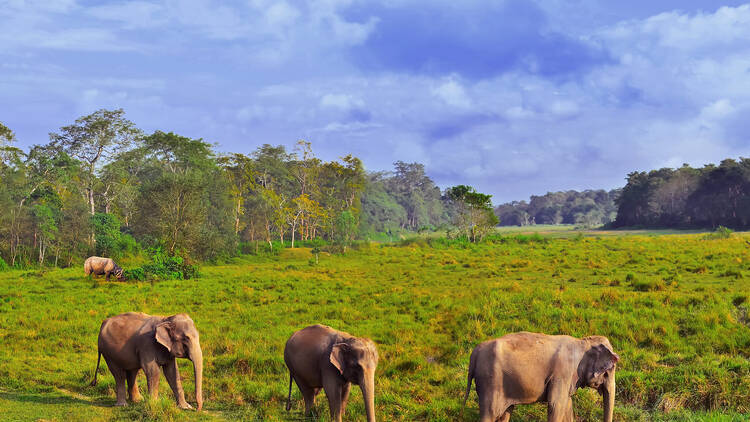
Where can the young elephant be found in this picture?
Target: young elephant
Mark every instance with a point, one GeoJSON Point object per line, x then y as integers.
{"type": "Point", "coordinates": [524, 368]}
{"type": "Point", "coordinates": [133, 341]}
{"type": "Point", "coordinates": [96, 265]}
{"type": "Point", "coordinates": [319, 356]}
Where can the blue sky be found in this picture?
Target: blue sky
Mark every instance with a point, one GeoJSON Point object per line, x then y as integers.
{"type": "Point", "coordinates": [514, 97]}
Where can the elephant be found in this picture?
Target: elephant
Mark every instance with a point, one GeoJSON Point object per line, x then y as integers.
{"type": "Point", "coordinates": [133, 341]}
{"type": "Point", "coordinates": [523, 368]}
{"type": "Point", "coordinates": [96, 265]}
{"type": "Point", "coordinates": [319, 356]}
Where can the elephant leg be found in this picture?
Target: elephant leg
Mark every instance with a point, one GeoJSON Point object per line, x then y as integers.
{"type": "Point", "coordinates": [151, 370]}
{"type": "Point", "coordinates": [107, 275]}
{"type": "Point", "coordinates": [135, 395]}
{"type": "Point", "coordinates": [506, 416]}
{"type": "Point", "coordinates": [172, 374]}
{"type": "Point", "coordinates": [569, 417]}
{"type": "Point", "coordinates": [559, 408]}
{"type": "Point", "coordinates": [333, 389]}
{"type": "Point", "coordinates": [120, 379]}
{"type": "Point", "coordinates": [308, 394]}
{"type": "Point", "coordinates": [345, 397]}
{"type": "Point", "coordinates": [492, 405]}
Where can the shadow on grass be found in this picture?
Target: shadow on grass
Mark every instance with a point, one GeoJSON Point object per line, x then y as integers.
{"type": "Point", "coordinates": [51, 399]}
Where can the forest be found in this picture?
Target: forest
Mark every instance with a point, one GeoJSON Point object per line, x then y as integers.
{"type": "Point", "coordinates": [688, 197]}
{"type": "Point", "coordinates": [589, 208]}
{"type": "Point", "coordinates": [103, 186]}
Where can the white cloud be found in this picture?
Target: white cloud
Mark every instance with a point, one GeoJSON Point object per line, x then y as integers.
{"type": "Point", "coordinates": [341, 101]}
{"type": "Point", "coordinates": [452, 93]}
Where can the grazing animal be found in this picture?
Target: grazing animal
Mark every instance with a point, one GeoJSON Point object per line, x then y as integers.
{"type": "Point", "coordinates": [525, 367]}
{"type": "Point", "coordinates": [133, 341]}
{"type": "Point", "coordinates": [96, 265]}
{"type": "Point", "coordinates": [321, 357]}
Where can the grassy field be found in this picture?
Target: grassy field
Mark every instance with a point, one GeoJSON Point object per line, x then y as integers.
{"type": "Point", "coordinates": [675, 307]}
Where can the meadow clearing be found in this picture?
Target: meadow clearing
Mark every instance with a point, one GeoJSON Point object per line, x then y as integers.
{"type": "Point", "coordinates": [675, 308]}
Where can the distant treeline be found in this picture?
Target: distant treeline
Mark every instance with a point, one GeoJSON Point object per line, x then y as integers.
{"type": "Point", "coordinates": [405, 199]}
{"type": "Point", "coordinates": [102, 186]}
{"type": "Point", "coordinates": [688, 197]}
{"type": "Point", "coordinates": [589, 208]}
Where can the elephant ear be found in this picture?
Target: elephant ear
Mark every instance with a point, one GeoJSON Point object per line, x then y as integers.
{"type": "Point", "coordinates": [162, 335]}
{"type": "Point", "coordinates": [337, 358]}
{"type": "Point", "coordinates": [605, 360]}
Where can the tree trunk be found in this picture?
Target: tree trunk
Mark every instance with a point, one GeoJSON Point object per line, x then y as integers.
{"type": "Point", "coordinates": [90, 192]}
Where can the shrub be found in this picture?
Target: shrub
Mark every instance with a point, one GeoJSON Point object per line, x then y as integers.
{"type": "Point", "coordinates": [3, 265]}
{"type": "Point", "coordinates": [260, 248]}
{"type": "Point", "coordinates": [164, 267]}
{"type": "Point", "coordinates": [135, 274]}
{"type": "Point", "coordinates": [648, 286]}
{"type": "Point", "coordinates": [127, 245]}
{"type": "Point", "coordinates": [721, 232]}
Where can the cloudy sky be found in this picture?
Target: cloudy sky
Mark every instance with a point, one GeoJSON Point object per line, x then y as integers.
{"type": "Point", "coordinates": [514, 97]}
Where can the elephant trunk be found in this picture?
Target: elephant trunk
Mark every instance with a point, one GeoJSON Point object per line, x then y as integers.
{"type": "Point", "coordinates": [196, 356]}
{"type": "Point", "coordinates": [368, 393]}
{"type": "Point", "coordinates": [608, 397]}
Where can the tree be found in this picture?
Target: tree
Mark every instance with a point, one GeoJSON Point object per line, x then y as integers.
{"type": "Point", "coordinates": [240, 170]}
{"type": "Point", "coordinates": [475, 215]}
{"type": "Point", "coordinates": [184, 204]}
{"type": "Point", "coordinates": [6, 135]}
{"type": "Point", "coordinates": [46, 225]}
{"type": "Point", "coordinates": [95, 139]}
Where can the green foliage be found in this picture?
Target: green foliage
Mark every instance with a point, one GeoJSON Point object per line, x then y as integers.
{"type": "Point", "coordinates": [346, 224]}
{"type": "Point", "coordinates": [474, 213]}
{"type": "Point", "coordinates": [721, 232]}
{"type": "Point", "coordinates": [688, 197]}
{"type": "Point", "coordinates": [3, 265]}
{"type": "Point", "coordinates": [163, 267]}
{"type": "Point", "coordinates": [589, 208]}
{"type": "Point", "coordinates": [107, 235]}
{"type": "Point", "coordinates": [6, 135]}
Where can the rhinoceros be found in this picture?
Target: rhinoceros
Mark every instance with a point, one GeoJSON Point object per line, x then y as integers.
{"type": "Point", "coordinates": [96, 265]}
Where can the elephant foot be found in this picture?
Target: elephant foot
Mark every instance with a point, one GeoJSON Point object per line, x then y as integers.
{"type": "Point", "coordinates": [185, 406]}
{"type": "Point", "coordinates": [121, 403]}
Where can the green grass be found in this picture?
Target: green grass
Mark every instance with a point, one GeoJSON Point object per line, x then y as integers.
{"type": "Point", "coordinates": [674, 307]}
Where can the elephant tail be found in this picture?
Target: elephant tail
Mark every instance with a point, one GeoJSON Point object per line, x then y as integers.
{"type": "Point", "coordinates": [472, 367]}
{"type": "Point", "coordinates": [96, 371]}
{"type": "Point", "coordinates": [289, 398]}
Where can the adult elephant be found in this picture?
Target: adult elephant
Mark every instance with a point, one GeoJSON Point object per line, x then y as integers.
{"type": "Point", "coordinates": [524, 368]}
{"type": "Point", "coordinates": [320, 357]}
{"type": "Point", "coordinates": [133, 341]}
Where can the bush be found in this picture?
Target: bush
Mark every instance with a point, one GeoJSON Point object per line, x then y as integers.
{"type": "Point", "coordinates": [721, 232]}
{"type": "Point", "coordinates": [164, 267]}
{"type": "Point", "coordinates": [127, 245]}
{"type": "Point", "coordinates": [648, 286]}
{"type": "Point", "coordinates": [135, 274]}
{"type": "Point", "coordinates": [3, 265]}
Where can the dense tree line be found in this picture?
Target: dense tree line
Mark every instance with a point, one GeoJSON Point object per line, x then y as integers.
{"type": "Point", "coordinates": [102, 186]}
{"type": "Point", "coordinates": [405, 199]}
{"type": "Point", "coordinates": [688, 197]}
{"type": "Point", "coordinates": [589, 208]}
